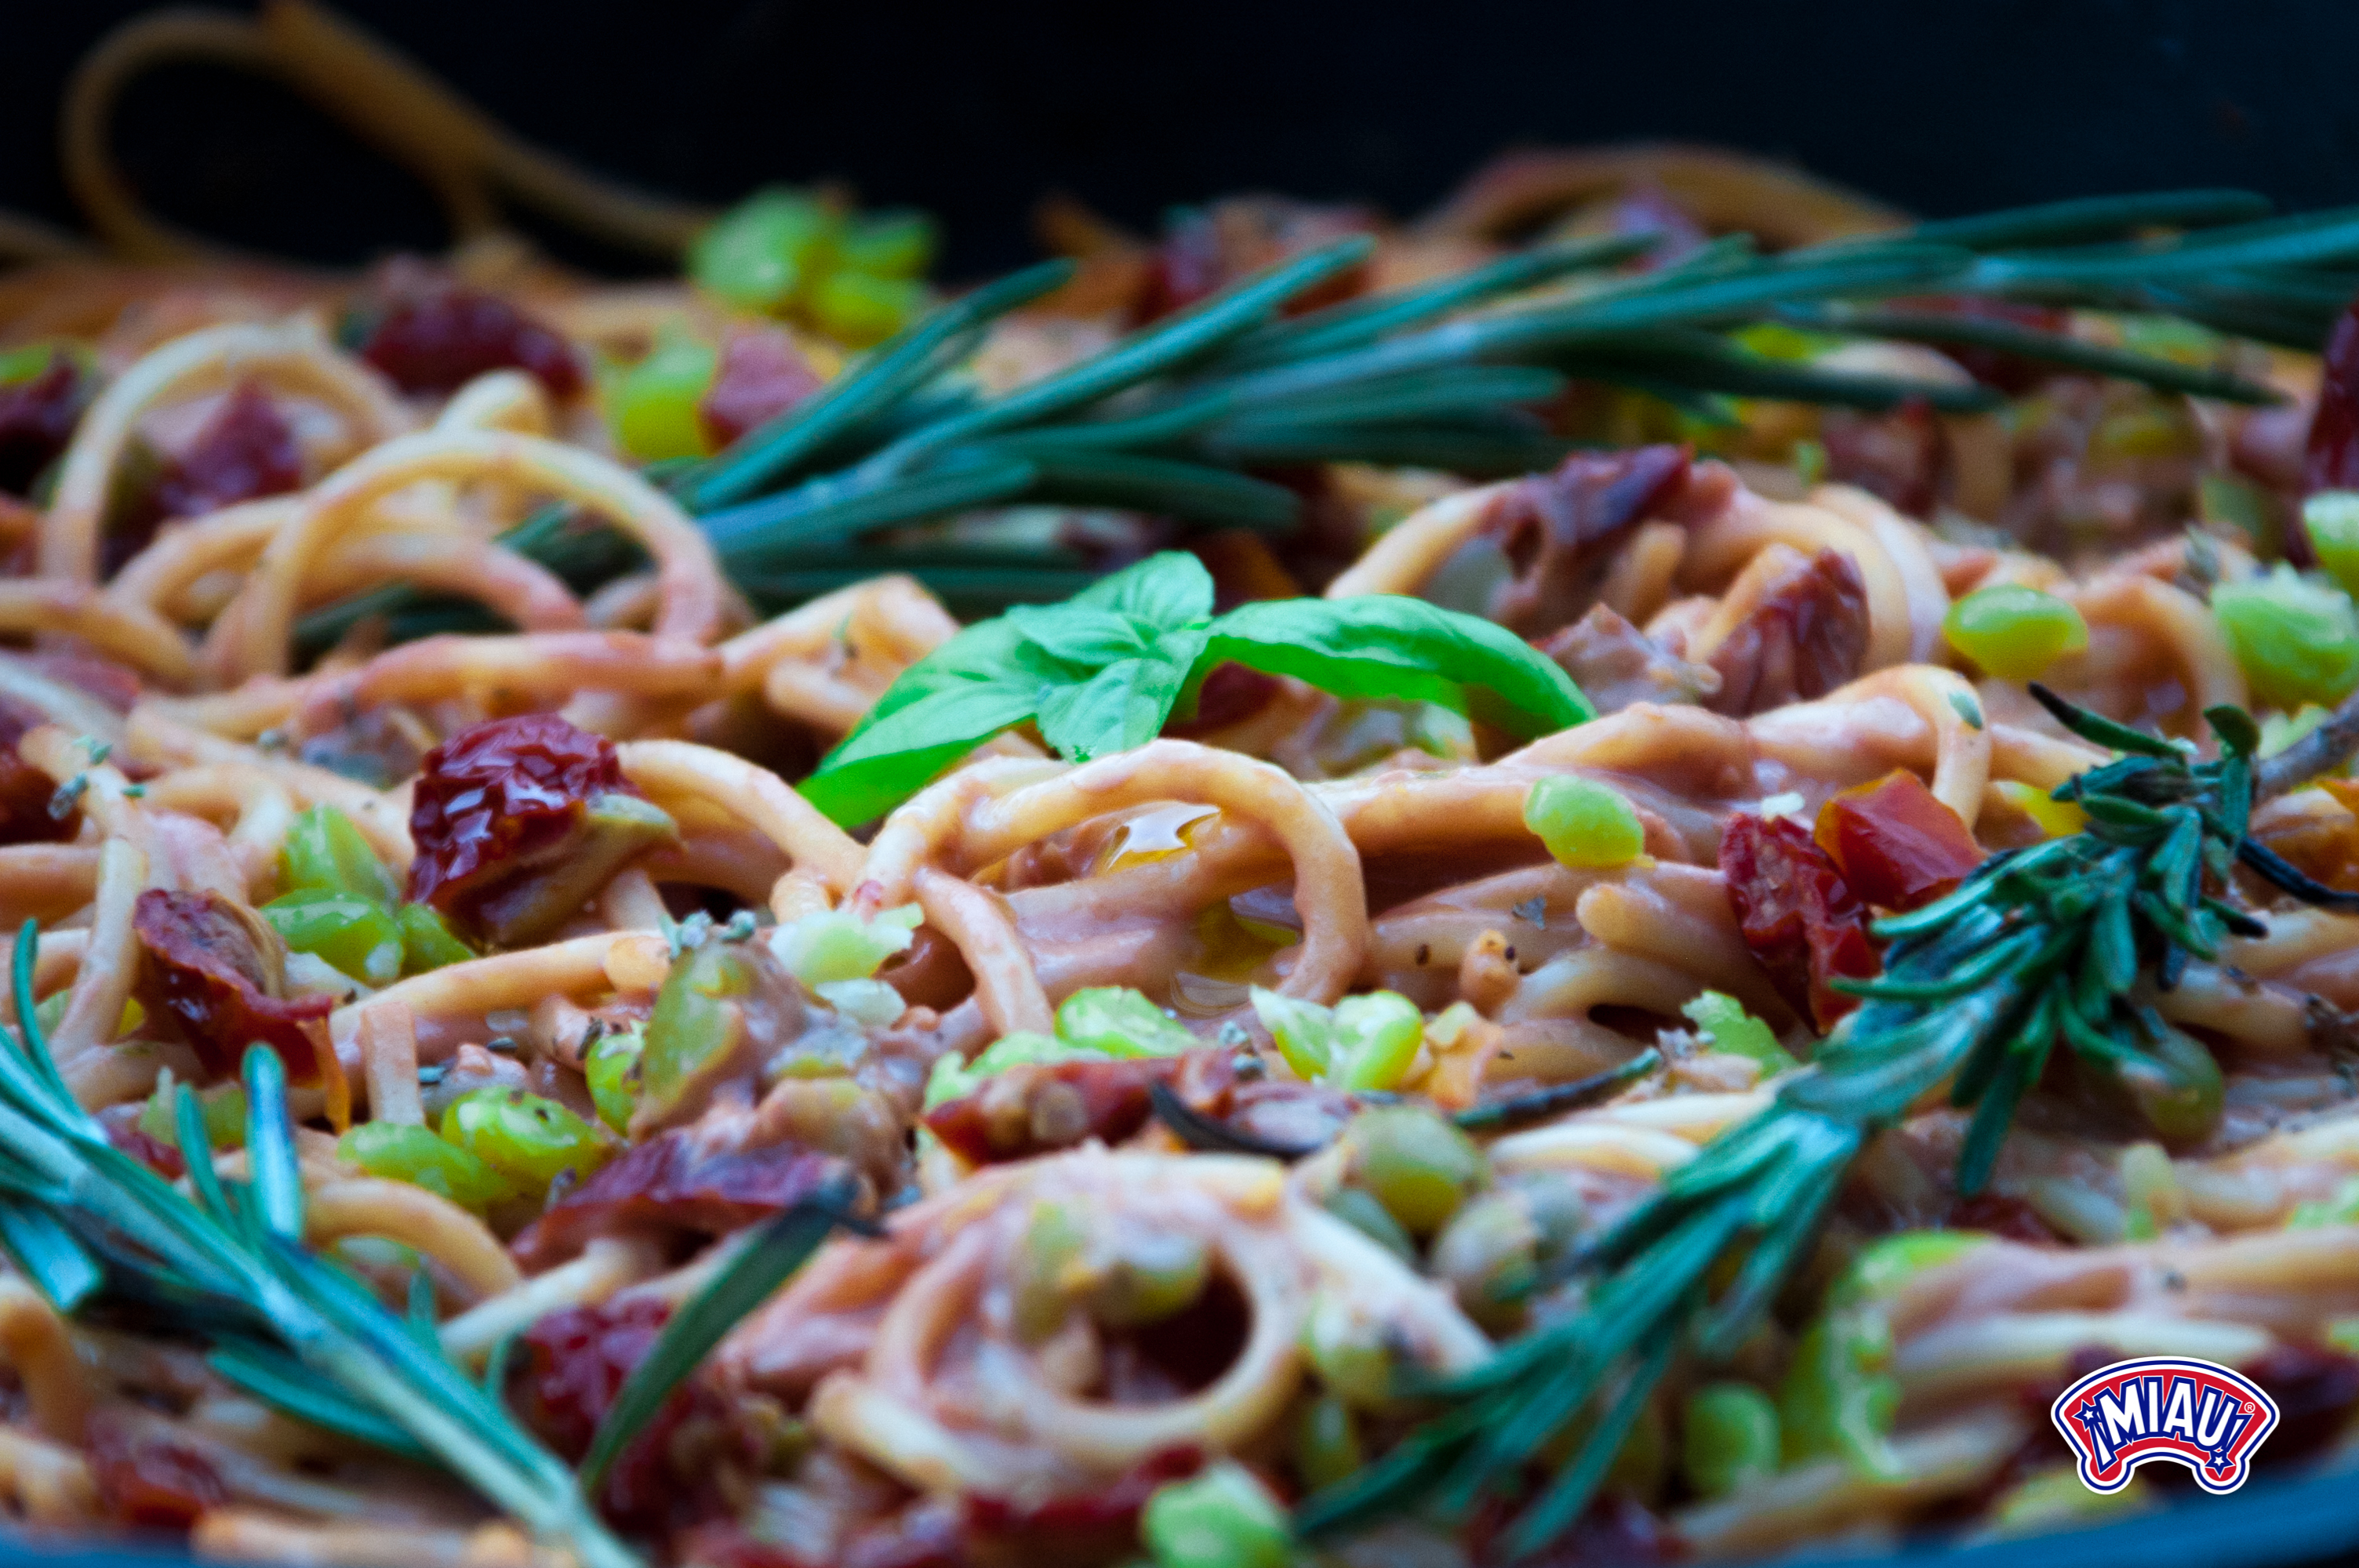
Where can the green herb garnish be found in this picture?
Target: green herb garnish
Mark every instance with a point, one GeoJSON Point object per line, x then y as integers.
{"type": "Point", "coordinates": [1102, 672]}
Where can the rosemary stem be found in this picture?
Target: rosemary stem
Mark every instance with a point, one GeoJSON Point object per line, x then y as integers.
{"type": "Point", "coordinates": [2321, 751]}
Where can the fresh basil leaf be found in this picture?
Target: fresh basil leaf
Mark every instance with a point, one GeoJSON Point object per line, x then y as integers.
{"type": "Point", "coordinates": [1388, 646]}
{"type": "Point", "coordinates": [1081, 634]}
{"type": "Point", "coordinates": [1166, 590]}
{"type": "Point", "coordinates": [1124, 704]}
{"type": "Point", "coordinates": [884, 763]}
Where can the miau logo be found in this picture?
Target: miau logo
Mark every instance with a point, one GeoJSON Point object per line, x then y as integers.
{"type": "Point", "coordinates": [2193, 1413]}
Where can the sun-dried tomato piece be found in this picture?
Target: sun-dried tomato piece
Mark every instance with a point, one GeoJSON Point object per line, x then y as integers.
{"type": "Point", "coordinates": [121, 1125]}
{"type": "Point", "coordinates": [1807, 636]}
{"type": "Point", "coordinates": [1901, 454]}
{"type": "Point", "coordinates": [147, 1480]}
{"type": "Point", "coordinates": [1802, 921]}
{"type": "Point", "coordinates": [1032, 1108]}
{"type": "Point", "coordinates": [2331, 459]}
{"type": "Point", "coordinates": [1230, 695]}
{"type": "Point", "coordinates": [761, 376]}
{"type": "Point", "coordinates": [1897, 845]}
{"type": "Point", "coordinates": [496, 794]}
{"type": "Point", "coordinates": [1110, 1510]}
{"type": "Point", "coordinates": [211, 971]}
{"type": "Point", "coordinates": [435, 337]}
{"type": "Point", "coordinates": [674, 1184]}
{"type": "Point", "coordinates": [26, 792]}
{"type": "Point", "coordinates": [37, 420]}
{"type": "Point", "coordinates": [244, 449]}
{"type": "Point", "coordinates": [571, 1365]}
{"type": "Point", "coordinates": [1557, 530]}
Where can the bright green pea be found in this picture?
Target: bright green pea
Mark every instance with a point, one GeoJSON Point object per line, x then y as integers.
{"type": "Point", "coordinates": [1377, 1038]}
{"type": "Point", "coordinates": [1730, 1438]}
{"type": "Point", "coordinates": [1584, 823]}
{"type": "Point", "coordinates": [1326, 1441]}
{"type": "Point", "coordinates": [224, 1111]}
{"type": "Point", "coordinates": [652, 406]}
{"type": "Point", "coordinates": [1145, 1277]}
{"type": "Point", "coordinates": [1305, 1032]}
{"type": "Point", "coordinates": [1053, 1239]}
{"type": "Point", "coordinates": [837, 945]}
{"type": "Point", "coordinates": [954, 1079]}
{"type": "Point", "coordinates": [1414, 1162]}
{"type": "Point", "coordinates": [1838, 1397]}
{"type": "Point", "coordinates": [889, 244]}
{"type": "Point", "coordinates": [427, 942]}
{"type": "Point", "coordinates": [529, 1139]}
{"type": "Point", "coordinates": [324, 852]}
{"type": "Point", "coordinates": [1223, 1517]}
{"type": "Point", "coordinates": [414, 1154]}
{"type": "Point", "coordinates": [2176, 1086]}
{"type": "Point", "coordinates": [1349, 1349]}
{"type": "Point", "coordinates": [2013, 631]}
{"type": "Point", "coordinates": [1885, 1264]}
{"type": "Point", "coordinates": [766, 251]}
{"type": "Point", "coordinates": [1119, 1021]}
{"type": "Point", "coordinates": [613, 1070]}
{"type": "Point", "coordinates": [697, 1025]}
{"type": "Point", "coordinates": [355, 936]}
{"type": "Point", "coordinates": [2333, 518]}
{"type": "Point", "coordinates": [1722, 1020]}
{"type": "Point", "coordinates": [2297, 640]}
{"type": "Point", "coordinates": [1361, 1211]}
{"type": "Point", "coordinates": [860, 308]}
{"type": "Point", "coordinates": [2342, 1208]}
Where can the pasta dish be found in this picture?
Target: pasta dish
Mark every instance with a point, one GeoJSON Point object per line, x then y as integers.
{"type": "Point", "coordinates": [1606, 877]}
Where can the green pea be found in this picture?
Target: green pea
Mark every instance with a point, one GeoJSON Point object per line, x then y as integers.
{"type": "Point", "coordinates": [764, 252]}
{"type": "Point", "coordinates": [1146, 1277]}
{"type": "Point", "coordinates": [426, 941]}
{"type": "Point", "coordinates": [1883, 1265]}
{"type": "Point", "coordinates": [1053, 1239]}
{"type": "Point", "coordinates": [2342, 1208]}
{"type": "Point", "coordinates": [1326, 1441]}
{"type": "Point", "coordinates": [1723, 1021]}
{"type": "Point", "coordinates": [355, 936]}
{"type": "Point", "coordinates": [613, 1070]}
{"type": "Point", "coordinates": [1375, 1042]}
{"type": "Point", "coordinates": [1304, 1031]}
{"type": "Point", "coordinates": [652, 406]}
{"type": "Point", "coordinates": [1838, 1397]}
{"type": "Point", "coordinates": [1489, 1256]}
{"type": "Point", "coordinates": [697, 1026]}
{"type": "Point", "coordinates": [529, 1139]}
{"type": "Point", "coordinates": [860, 308]}
{"type": "Point", "coordinates": [836, 944]}
{"type": "Point", "coordinates": [414, 1154]}
{"type": "Point", "coordinates": [1223, 1517]}
{"type": "Point", "coordinates": [324, 852]}
{"type": "Point", "coordinates": [2177, 1088]}
{"type": "Point", "coordinates": [890, 244]}
{"type": "Point", "coordinates": [1414, 1162]}
{"type": "Point", "coordinates": [2297, 640]}
{"type": "Point", "coordinates": [224, 1111]}
{"type": "Point", "coordinates": [1349, 1349]}
{"type": "Point", "coordinates": [1729, 1439]}
{"type": "Point", "coordinates": [1119, 1021]}
{"type": "Point", "coordinates": [1584, 823]}
{"type": "Point", "coordinates": [2013, 631]}
{"type": "Point", "coordinates": [2331, 516]}
{"type": "Point", "coordinates": [1362, 1213]}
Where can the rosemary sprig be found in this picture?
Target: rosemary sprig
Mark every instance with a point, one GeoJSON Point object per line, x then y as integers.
{"type": "Point", "coordinates": [87, 1223]}
{"type": "Point", "coordinates": [2053, 944]}
{"type": "Point", "coordinates": [1446, 376]}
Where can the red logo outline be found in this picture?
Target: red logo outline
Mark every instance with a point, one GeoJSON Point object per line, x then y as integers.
{"type": "Point", "coordinates": [2197, 1413]}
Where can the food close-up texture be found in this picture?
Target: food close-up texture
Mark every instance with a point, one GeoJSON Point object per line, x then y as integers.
{"type": "Point", "coordinates": [1604, 876]}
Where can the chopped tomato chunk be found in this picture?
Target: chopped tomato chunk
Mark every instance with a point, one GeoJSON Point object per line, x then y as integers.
{"type": "Point", "coordinates": [1897, 845]}
{"type": "Point", "coordinates": [1799, 915]}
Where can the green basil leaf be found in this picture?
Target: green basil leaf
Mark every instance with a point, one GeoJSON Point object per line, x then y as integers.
{"type": "Point", "coordinates": [1124, 704]}
{"type": "Point", "coordinates": [884, 762]}
{"type": "Point", "coordinates": [1388, 646]}
{"type": "Point", "coordinates": [1166, 590]}
{"type": "Point", "coordinates": [1081, 634]}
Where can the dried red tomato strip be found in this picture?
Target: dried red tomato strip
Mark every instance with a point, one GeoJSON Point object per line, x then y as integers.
{"type": "Point", "coordinates": [205, 971]}
{"type": "Point", "coordinates": [674, 1185]}
{"type": "Point", "coordinates": [1802, 921]}
{"type": "Point", "coordinates": [497, 792]}
{"type": "Point", "coordinates": [761, 376]}
{"type": "Point", "coordinates": [37, 420]}
{"type": "Point", "coordinates": [1035, 1107]}
{"type": "Point", "coordinates": [245, 449]}
{"type": "Point", "coordinates": [1896, 844]}
{"type": "Point", "coordinates": [437, 337]}
{"type": "Point", "coordinates": [145, 1480]}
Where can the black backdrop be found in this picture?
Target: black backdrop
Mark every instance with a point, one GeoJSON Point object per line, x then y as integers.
{"type": "Point", "coordinates": [974, 111]}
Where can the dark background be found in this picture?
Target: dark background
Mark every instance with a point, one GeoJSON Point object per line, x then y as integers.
{"type": "Point", "coordinates": [974, 112]}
